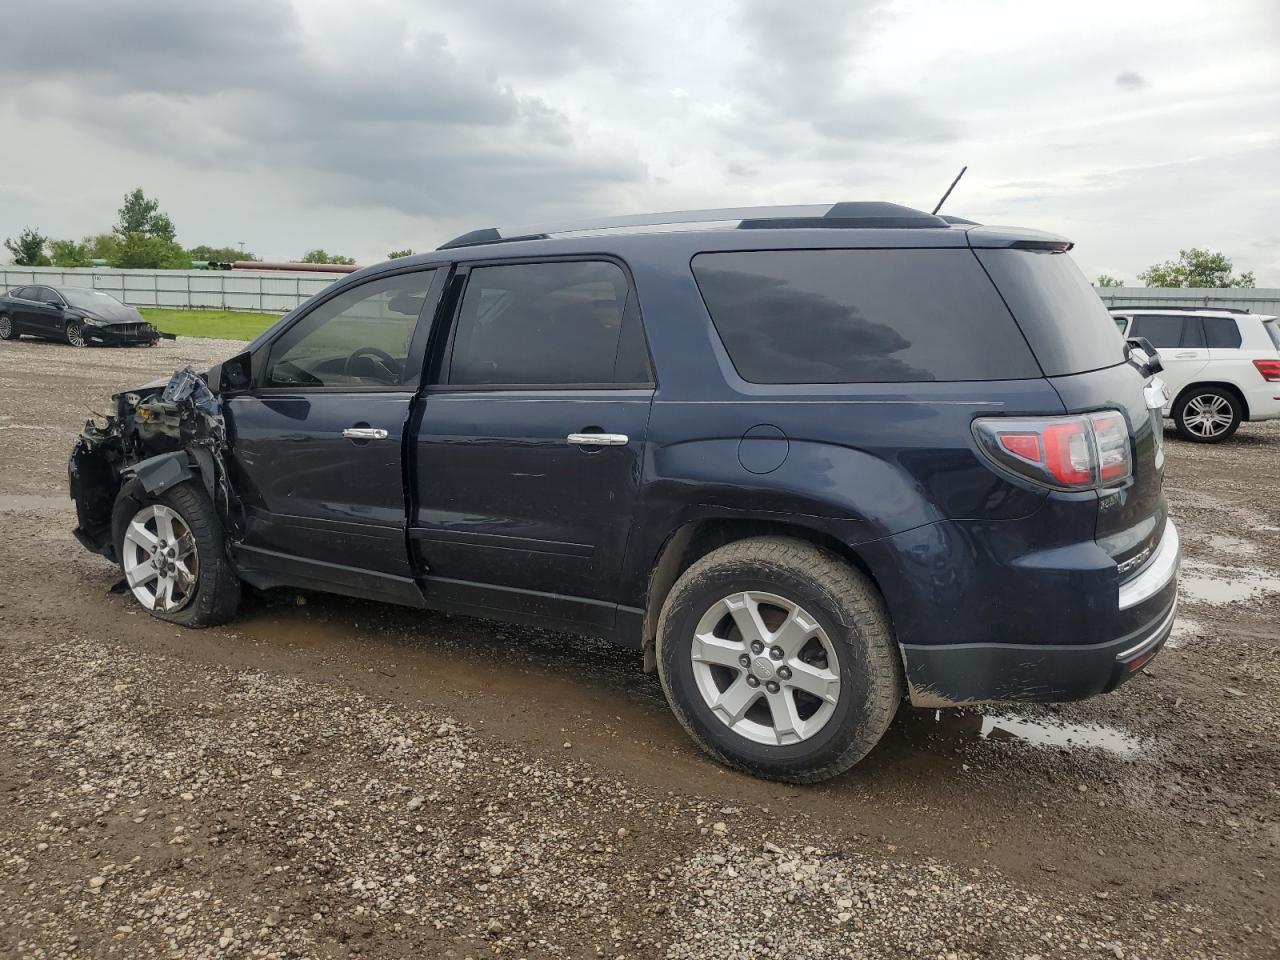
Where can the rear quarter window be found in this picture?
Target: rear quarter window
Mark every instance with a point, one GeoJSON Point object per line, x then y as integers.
{"type": "Point", "coordinates": [861, 316]}
{"type": "Point", "coordinates": [1273, 331]}
{"type": "Point", "coordinates": [1060, 313]}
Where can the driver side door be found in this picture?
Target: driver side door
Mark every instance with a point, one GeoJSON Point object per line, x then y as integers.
{"type": "Point", "coordinates": [316, 444]}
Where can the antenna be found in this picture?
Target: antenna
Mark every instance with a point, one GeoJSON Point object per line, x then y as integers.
{"type": "Point", "coordinates": [949, 189]}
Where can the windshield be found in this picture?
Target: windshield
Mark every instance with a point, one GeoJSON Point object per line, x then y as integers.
{"type": "Point", "coordinates": [89, 299]}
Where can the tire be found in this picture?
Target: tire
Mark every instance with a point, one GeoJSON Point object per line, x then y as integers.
{"type": "Point", "coordinates": [74, 334]}
{"type": "Point", "coordinates": [212, 595]}
{"type": "Point", "coordinates": [1207, 414]}
{"type": "Point", "coordinates": [839, 612]}
{"type": "Point", "coordinates": [6, 328]}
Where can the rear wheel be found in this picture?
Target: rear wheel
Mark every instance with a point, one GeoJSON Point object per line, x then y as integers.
{"type": "Point", "coordinates": [75, 334]}
{"type": "Point", "coordinates": [173, 555]}
{"type": "Point", "coordinates": [6, 328]}
{"type": "Point", "coordinates": [778, 659]}
{"type": "Point", "coordinates": [1207, 415]}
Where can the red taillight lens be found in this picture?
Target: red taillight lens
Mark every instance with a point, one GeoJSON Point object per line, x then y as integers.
{"type": "Point", "coordinates": [1270, 370]}
{"type": "Point", "coordinates": [1073, 453]}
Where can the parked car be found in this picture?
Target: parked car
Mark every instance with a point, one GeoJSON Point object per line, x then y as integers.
{"type": "Point", "coordinates": [806, 459]}
{"type": "Point", "coordinates": [1222, 366]}
{"type": "Point", "coordinates": [75, 315]}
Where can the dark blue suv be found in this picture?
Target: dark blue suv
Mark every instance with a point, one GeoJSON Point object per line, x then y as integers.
{"type": "Point", "coordinates": [809, 460]}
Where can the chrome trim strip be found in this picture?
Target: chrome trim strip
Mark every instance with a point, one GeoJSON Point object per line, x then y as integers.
{"type": "Point", "coordinates": [1162, 568]}
{"type": "Point", "coordinates": [1154, 637]}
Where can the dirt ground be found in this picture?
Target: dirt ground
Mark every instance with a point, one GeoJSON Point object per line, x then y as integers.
{"type": "Point", "coordinates": [333, 778]}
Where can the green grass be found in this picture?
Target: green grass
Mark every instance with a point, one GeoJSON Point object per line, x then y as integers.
{"type": "Point", "coordinates": [218, 324]}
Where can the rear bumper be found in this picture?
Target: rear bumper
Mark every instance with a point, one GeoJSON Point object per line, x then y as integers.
{"type": "Point", "coordinates": [110, 336]}
{"type": "Point", "coordinates": [943, 674]}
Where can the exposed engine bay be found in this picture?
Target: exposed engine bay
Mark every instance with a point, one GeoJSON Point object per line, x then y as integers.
{"type": "Point", "coordinates": [160, 435]}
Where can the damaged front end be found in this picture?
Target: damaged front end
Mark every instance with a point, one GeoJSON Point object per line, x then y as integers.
{"type": "Point", "coordinates": [160, 435]}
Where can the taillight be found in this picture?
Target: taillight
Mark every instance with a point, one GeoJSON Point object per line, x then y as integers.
{"type": "Point", "coordinates": [1270, 370]}
{"type": "Point", "coordinates": [1072, 453]}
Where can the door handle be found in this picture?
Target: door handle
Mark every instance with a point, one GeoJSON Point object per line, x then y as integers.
{"type": "Point", "coordinates": [1185, 356]}
{"type": "Point", "coordinates": [364, 433]}
{"type": "Point", "coordinates": [597, 439]}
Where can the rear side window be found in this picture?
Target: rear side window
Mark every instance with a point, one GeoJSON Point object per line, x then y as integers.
{"type": "Point", "coordinates": [1166, 332]}
{"type": "Point", "coordinates": [548, 324]}
{"type": "Point", "coordinates": [1221, 332]}
{"type": "Point", "coordinates": [1060, 313]}
{"type": "Point", "coordinates": [861, 316]}
{"type": "Point", "coordinates": [1273, 331]}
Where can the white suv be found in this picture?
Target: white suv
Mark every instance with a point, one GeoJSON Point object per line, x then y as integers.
{"type": "Point", "coordinates": [1222, 366]}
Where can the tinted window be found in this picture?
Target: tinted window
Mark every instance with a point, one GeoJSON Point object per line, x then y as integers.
{"type": "Point", "coordinates": [548, 323]}
{"type": "Point", "coordinates": [360, 338]}
{"type": "Point", "coordinates": [1062, 316]}
{"type": "Point", "coordinates": [861, 316]}
{"type": "Point", "coordinates": [1121, 322]}
{"type": "Point", "coordinates": [1273, 331]}
{"type": "Point", "coordinates": [1221, 332]}
{"type": "Point", "coordinates": [45, 295]}
{"type": "Point", "coordinates": [1163, 332]}
{"type": "Point", "coordinates": [24, 293]}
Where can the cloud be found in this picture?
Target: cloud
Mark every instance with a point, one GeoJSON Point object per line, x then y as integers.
{"type": "Point", "coordinates": [390, 112]}
{"type": "Point", "coordinates": [1131, 80]}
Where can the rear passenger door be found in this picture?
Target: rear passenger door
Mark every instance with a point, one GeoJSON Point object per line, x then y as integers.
{"type": "Point", "coordinates": [1180, 340]}
{"type": "Point", "coordinates": [530, 446]}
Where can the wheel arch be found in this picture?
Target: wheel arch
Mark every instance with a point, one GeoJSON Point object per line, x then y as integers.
{"type": "Point", "coordinates": [696, 538]}
{"type": "Point", "coordinates": [1225, 385]}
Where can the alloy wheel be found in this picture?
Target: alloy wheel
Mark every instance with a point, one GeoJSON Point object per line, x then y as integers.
{"type": "Point", "coordinates": [1209, 415]}
{"type": "Point", "coordinates": [75, 335]}
{"type": "Point", "coordinates": [161, 562]}
{"type": "Point", "coordinates": [765, 668]}
{"type": "Point", "coordinates": [6, 327]}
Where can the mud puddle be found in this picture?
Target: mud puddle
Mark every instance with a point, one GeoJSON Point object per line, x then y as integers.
{"type": "Point", "coordinates": [1217, 583]}
{"type": "Point", "coordinates": [1041, 734]}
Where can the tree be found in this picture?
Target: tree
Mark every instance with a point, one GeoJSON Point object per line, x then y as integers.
{"type": "Point", "coordinates": [28, 249]}
{"type": "Point", "coordinates": [140, 252]}
{"type": "Point", "coordinates": [68, 253]}
{"type": "Point", "coordinates": [1195, 268]}
{"type": "Point", "coordinates": [220, 254]}
{"type": "Point", "coordinates": [141, 215]}
{"type": "Point", "coordinates": [397, 254]}
{"type": "Point", "coordinates": [1106, 280]}
{"type": "Point", "coordinates": [104, 246]}
{"type": "Point", "coordinates": [320, 256]}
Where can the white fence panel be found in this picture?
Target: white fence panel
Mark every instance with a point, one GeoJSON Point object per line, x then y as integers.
{"type": "Point", "coordinates": [268, 291]}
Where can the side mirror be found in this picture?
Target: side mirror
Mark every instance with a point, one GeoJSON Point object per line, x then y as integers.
{"type": "Point", "coordinates": [1141, 350]}
{"type": "Point", "coordinates": [236, 374]}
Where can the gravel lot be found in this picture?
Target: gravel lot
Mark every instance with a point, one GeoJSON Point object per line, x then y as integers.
{"type": "Point", "coordinates": [332, 778]}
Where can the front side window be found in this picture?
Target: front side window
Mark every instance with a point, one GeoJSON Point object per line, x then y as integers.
{"type": "Point", "coordinates": [861, 316]}
{"type": "Point", "coordinates": [359, 338]}
{"type": "Point", "coordinates": [1164, 333]}
{"type": "Point", "coordinates": [45, 295]}
{"type": "Point", "coordinates": [551, 323]}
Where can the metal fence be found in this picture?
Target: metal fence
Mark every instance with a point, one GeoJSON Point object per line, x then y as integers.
{"type": "Point", "coordinates": [1262, 300]}
{"type": "Point", "coordinates": [268, 291]}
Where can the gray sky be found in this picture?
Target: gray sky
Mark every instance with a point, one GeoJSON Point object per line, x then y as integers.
{"type": "Point", "coordinates": [362, 126]}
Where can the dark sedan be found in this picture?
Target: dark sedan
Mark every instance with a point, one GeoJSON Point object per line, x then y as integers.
{"type": "Point", "coordinates": [74, 315]}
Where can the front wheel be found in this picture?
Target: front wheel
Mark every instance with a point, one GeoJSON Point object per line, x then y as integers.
{"type": "Point", "coordinates": [75, 334]}
{"type": "Point", "coordinates": [777, 657]}
{"type": "Point", "coordinates": [1207, 415]}
{"type": "Point", "coordinates": [173, 555]}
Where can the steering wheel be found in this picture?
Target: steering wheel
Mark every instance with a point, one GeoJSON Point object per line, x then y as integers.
{"type": "Point", "coordinates": [380, 357]}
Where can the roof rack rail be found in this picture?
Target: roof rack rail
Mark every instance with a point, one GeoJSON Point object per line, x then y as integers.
{"type": "Point", "coordinates": [1160, 306]}
{"type": "Point", "coordinates": [862, 215]}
